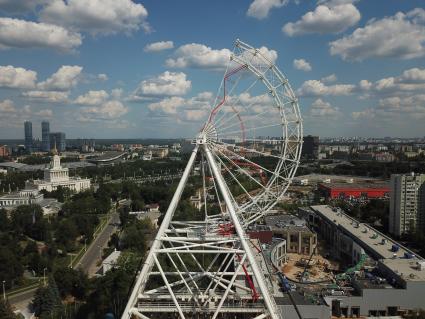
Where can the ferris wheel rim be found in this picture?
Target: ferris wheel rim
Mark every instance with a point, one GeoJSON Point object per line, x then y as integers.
{"type": "Point", "coordinates": [291, 141]}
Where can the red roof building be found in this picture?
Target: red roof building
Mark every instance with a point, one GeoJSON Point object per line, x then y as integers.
{"type": "Point", "coordinates": [355, 190]}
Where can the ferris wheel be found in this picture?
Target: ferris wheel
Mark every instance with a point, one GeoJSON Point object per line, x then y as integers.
{"type": "Point", "coordinates": [254, 131]}
{"type": "Point", "coordinates": [248, 149]}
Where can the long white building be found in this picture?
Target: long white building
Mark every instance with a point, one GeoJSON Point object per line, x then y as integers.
{"type": "Point", "coordinates": [55, 175]}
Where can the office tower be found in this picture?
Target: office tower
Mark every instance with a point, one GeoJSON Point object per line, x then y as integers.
{"type": "Point", "coordinates": [45, 136]}
{"type": "Point", "coordinates": [58, 138]}
{"type": "Point", "coordinates": [28, 136]}
{"type": "Point", "coordinates": [407, 204]}
{"type": "Point", "coordinates": [310, 147]}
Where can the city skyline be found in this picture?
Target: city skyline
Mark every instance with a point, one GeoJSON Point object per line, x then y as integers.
{"type": "Point", "coordinates": [149, 69]}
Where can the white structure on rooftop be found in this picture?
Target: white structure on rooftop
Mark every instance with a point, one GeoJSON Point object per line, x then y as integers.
{"type": "Point", "coordinates": [23, 197]}
{"type": "Point", "coordinates": [55, 175]}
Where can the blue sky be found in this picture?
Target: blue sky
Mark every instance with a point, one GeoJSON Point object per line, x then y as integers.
{"type": "Point", "coordinates": [128, 69]}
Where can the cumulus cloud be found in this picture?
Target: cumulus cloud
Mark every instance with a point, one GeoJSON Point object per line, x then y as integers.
{"type": "Point", "coordinates": [19, 78]}
{"type": "Point", "coordinates": [159, 46]}
{"type": "Point", "coordinates": [324, 19]}
{"type": "Point", "coordinates": [47, 96]}
{"type": "Point", "coordinates": [196, 55]}
{"type": "Point", "coordinates": [168, 105]}
{"type": "Point", "coordinates": [14, 116]}
{"type": "Point", "coordinates": [165, 84]}
{"type": "Point", "coordinates": [364, 114]}
{"type": "Point", "coordinates": [98, 17]}
{"type": "Point", "coordinates": [318, 88]}
{"type": "Point", "coordinates": [199, 56]}
{"type": "Point", "coordinates": [116, 93]}
{"type": "Point", "coordinates": [399, 36]}
{"type": "Point", "coordinates": [7, 106]}
{"type": "Point", "coordinates": [45, 113]}
{"type": "Point", "coordinates": [102, 77]}
{"type": "Point", "coordinates": [329, 79]}
{"type": "Point", "coordinates": [63, 79]}
{"type": "Point", "coordinates": [15, 33]}
{"type": "Point", "coordinates": [92, 98]}
{"type": "Point", "coordinates": [411, 80]}
{"type": "Point", "coordinates": [301, 64]}
{"type": "Point", "coordinates": [183, 109]}
{"type": "Point", "coordinates": [107, 110]}
{"type": "Point", "coordinates": [320, 108]}
{"type": "Point", "coordinates": [260, 9]}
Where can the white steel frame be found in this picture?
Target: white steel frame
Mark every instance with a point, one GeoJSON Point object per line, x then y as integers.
{"type": "Point", "coordinates": [231, 280]}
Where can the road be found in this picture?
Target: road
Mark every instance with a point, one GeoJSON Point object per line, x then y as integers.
{"type": "Point", "coordinates": [88, 263]}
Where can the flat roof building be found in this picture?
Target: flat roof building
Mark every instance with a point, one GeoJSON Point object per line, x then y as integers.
{"type": "Point", "coordinates": [299, 237]}
{"type": "Point", "coordinates": [398, 285]}
{"type": "Point", "coordinates": [355, 190]}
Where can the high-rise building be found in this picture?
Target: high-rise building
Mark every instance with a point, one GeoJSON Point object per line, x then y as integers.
{"type": "Point", "coordinates": [310, 147]}
{"type": "Point", "coordinates": [45, 136]}
{"type": "Point", "coordinates": [28, 136]}
{"type": "Point", "coordinates": [407, 203]}
{"type": "Point", "coordinates": [4, 151]}
{"type": "Point", "coordinates": [58, 139]}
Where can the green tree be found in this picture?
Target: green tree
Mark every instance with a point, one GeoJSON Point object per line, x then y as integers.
{"type": "Point", "coordinates": [6, 311]}
{"type": "Point", "coordinates": [4, 220]}
{"type": "Point", "coordinates": [66, 234]}
{"type": "Point", "coordinates": [47, 302]}
{"type": "Point", "coordinates": [71, 282]}
{"type": "Point", "coordinates": [11, 269]}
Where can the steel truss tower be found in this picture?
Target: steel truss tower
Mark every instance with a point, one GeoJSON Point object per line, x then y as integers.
{"type": "Point", "coordinates": [208, 267]}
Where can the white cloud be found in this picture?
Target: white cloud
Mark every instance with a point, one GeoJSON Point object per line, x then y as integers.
{"type": "Point", "coordinates": [332, 3]}
{"type": "Point", "coordinates": [324, 19]}
{"type": "Point", "coordinates": [410, 104]}
{"type": "Point", "coordinates": [165, 84]}
{"type": "Point", "coordinates": [301, 64]}
{"type": "Point", "coordinates": [168, 105]}
{"type": "Point", "coordinates": [365, 114]}
{"type": "Point", "coordinates": [329, 79]}
{"type": "Point", "coordinates": [260, 9]}
{"type": "Point", "coordinates": [400, 36]}
{"type": "Point", "coordinates": [7, 106]}
{"type": "Point", "coordinates": [320, 108]}
{"type": "Point", "coordinates": [365, 85]}
{"type": "Point", "coordinates": [201, 56]}
{"type": "Point", "coordinates": [411, 80]}
{"type": "Point", "coordinates": [63, 79]}
{"type": "Point", "coordinates": [92, 98]}
{"type": "Point", "coordinates": [47, 96]}
{"type": "Point", "coordinates": [15, 33]}
{"type": "Point", "coordinates": [45, 113]}
{"type": "Point", "coordinates": [318, 88]}
{"type": "Point", "coordinates": [102, 77]}
{"type": "Point", "coordinates": [116, 93]}
{"type": "Point", "coordinates": [98, 17]}
{"type": "Point", "coordinates": [159, 46]}
{"type": "Point", "coordinates": [17, 77]}
{"type": "Point", "coordinates": [191, 109]}
{"type": "Point", "coordinates": [414, 75]}
{"type": "Point", "coordinates": [107, 110]}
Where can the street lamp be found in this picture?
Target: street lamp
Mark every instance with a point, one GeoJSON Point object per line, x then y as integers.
{"type": "Point", "coordinates": [85, 244]}
{"type": "Point", "coordinates": [100, 252]}
{"type": "Point", "coordinates": [4, 290]}
{"type": "Point", "coordinates": [44, 276]}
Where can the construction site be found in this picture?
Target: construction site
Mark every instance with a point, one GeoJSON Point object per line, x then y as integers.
{"type": "Point", "coordinates": [324, 261]}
